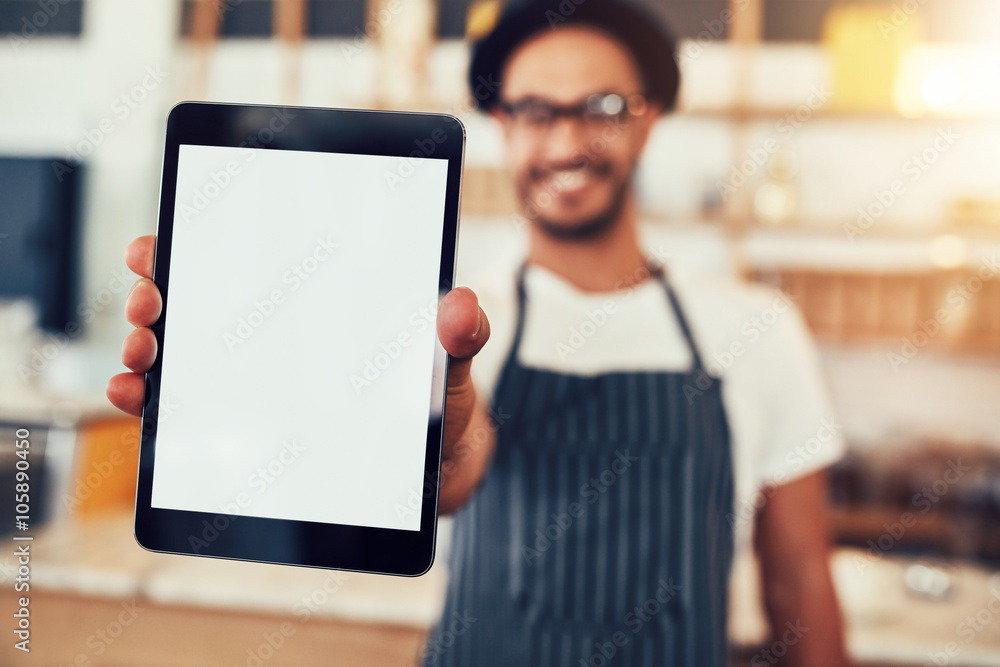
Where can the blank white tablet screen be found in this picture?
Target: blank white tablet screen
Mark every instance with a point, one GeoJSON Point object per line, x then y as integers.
{"type": "Point", "coordinates": [300, 335]}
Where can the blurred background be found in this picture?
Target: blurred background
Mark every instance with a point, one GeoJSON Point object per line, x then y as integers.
{"type": "Point", "coordinates": [845, 152]}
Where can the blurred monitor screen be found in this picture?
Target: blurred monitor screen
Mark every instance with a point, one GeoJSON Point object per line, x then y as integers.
{"type": "Point", "coordinates": [39, 236]}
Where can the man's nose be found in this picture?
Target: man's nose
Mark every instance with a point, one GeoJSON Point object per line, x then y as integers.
{"type": "Point", "coordinates": [566, 140]}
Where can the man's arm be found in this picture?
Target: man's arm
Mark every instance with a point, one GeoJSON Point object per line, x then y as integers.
{"type": "Point", "coordinates": [465, 462]}
{"type": "Point", "coordinates": [792, 541]}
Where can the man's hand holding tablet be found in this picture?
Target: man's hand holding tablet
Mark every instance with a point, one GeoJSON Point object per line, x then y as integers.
{"type": "Point", "coordinates": [303, 396]}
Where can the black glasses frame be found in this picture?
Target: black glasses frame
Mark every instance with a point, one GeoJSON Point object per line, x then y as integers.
{"type": "Point", "coordinates": [595, 109]}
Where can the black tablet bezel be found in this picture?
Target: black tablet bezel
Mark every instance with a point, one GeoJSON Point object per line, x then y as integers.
{"type": "Point", "coordinates": [335, 546]}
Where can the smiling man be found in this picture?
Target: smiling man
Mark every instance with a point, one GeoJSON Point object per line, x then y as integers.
{"type": "Point", "coordinates": [627, 429]}
{"type": "Point", "coordinates": [638, 421]}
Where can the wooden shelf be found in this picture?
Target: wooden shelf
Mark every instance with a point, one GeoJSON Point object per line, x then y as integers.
{"type": "Point", "coordinates": [747, 114]}
{"type": "Point", "coordinates": [949, 311]}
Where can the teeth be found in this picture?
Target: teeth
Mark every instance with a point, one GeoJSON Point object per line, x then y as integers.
{"type": "Point", "coordinates": [569, 179]}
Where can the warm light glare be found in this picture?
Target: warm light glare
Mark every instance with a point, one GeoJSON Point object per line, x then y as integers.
{"type": "Point", "coordinates": [947, 251]}
{"type": "Point", "coordinates": [940, 87]}
{"type": "Point", "coordinates": [771, 203]}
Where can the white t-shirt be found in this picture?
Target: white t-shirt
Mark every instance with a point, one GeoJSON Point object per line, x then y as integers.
{"type": "Point", "coordinates": [754, 338]}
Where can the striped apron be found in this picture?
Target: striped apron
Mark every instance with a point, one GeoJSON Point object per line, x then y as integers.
{"type": "Point", "coordinates": [599, 535]}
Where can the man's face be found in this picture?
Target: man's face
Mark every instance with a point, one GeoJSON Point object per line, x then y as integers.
{"type": "Point", "coordinates": [572, 175]}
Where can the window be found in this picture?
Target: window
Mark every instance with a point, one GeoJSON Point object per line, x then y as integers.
{"type": "Point", "coordinates": [695, 19]}
{"type": "Point", "coordinates": [239, 18]}
{"type": "Point", "coordinates": [30, 18]}
{"type": "Point", "coordinates": [335, 18]}
{"type": "Point", "coordinates": [687, 18]}
{"type": "Point", "coordinates": [704, 19]}
{"type": "Point", "coordinates": [255, 18]}
{"type": "Point", "coordinates": [943, 20]}
{"type": "Point", "coordinates": [451, 18]}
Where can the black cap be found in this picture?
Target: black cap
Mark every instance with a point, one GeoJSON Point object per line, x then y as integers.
{"type": "Point", "coordinates": [651, 43]}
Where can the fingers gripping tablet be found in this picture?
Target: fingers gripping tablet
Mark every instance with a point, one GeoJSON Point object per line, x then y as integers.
{"type": "Point", "coordinates": [295, 409]}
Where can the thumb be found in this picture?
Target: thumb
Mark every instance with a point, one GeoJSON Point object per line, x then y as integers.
{"type": "Point", "coordinates": [463, 329]}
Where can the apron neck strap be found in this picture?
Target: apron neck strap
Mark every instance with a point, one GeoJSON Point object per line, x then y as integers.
{"type": "Point", "coordinates": [655, 270]}
{"type": "Point", "coordinates": [661, 274]}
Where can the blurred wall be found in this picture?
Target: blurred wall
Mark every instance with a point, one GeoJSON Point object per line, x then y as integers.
{"type": "Point", "coordinates": [103, 99]}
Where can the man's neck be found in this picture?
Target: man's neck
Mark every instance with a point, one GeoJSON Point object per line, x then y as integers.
{"type": "Point", "coordinates": [611, 261]}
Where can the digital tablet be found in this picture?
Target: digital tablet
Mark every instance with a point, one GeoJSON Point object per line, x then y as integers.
{"type": "Point", "coordinates": [294, 412]}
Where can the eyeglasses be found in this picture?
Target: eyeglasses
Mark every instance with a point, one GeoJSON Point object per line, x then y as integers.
{"type": "Point", "coordinates": [594, 112]}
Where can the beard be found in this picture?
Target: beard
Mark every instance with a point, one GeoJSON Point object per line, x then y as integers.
{"type": "Point", "coordinates": [589, 228]}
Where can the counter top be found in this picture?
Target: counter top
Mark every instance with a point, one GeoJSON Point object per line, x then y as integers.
{"type": "Point", "coordinates": [100, 558]}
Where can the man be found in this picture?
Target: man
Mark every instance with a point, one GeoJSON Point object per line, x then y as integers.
{"type": "Point", "coordinates": [602, 481]}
